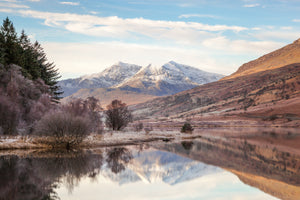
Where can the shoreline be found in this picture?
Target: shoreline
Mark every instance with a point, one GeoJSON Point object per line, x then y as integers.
{"type": "Point", "coordinates": [159, 134]}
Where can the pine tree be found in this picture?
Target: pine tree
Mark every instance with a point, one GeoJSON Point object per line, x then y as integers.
{"type": "Point", "coordinates": [8, 43]}
{"type": "Point", "coordinates": [30, 57]}
{"type": "Point", "coordinates": [49, 73]}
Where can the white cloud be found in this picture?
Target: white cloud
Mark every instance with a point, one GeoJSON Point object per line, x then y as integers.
{"type": "Point", "coordinates": [94, 12]}
{"type": "Point", "coordinates": [286, 28]}
{"type": "Point", "coordinates": [251, 5]}
{"type": "Point", "coordinates": [241, 46]}
{"type": "Point", "coordinates": [34, 0]}
{"type": "Point", "coordinates": [116, 28]}
{"type": "Point", "coordinates": [197, 15]}
{"type": "Point", "coordinates": [12, 5]}
{"type": "Point", "coordinates": [282, 34]}
{"type": "Point", "coordinates": [296, 20]}
{"type": "Point", "coordinates": [132, 28]}
{"type": "Point", "coordinates": [12, 1]}
{"type": "Point", "coordinates": [69, 3]}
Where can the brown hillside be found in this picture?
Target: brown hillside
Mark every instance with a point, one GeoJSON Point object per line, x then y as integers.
{"type": "Point", "coordinates": [286, 55]}
{"type": "Point", "coordinates": [260, 95]}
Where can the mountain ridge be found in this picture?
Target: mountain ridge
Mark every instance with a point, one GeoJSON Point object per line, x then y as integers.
{"type": "Point", "coordinates": [151, 81]}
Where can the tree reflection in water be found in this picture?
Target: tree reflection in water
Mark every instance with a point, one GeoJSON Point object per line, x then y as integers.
{"type": "Point", "coordinates": [117, 158]}
{"type": "Point", "coordinates": [37, 177]}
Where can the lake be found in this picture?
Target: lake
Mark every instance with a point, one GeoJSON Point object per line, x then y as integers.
{"type": "Point", "coordinates": [201, 168]}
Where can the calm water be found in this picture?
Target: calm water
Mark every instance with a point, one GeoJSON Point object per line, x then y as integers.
{"type": "Point", "coordinates": [183, 170]}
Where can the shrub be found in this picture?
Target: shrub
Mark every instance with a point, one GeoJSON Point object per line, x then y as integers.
{"type": "Point", "coordinates": [187, 128]}
{"type": "Point", "coordinates": [66, 128]}
{"type": "Point", "coordinates": [138, 127]}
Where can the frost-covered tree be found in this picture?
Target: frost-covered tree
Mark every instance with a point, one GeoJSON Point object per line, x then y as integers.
{"type": "Point", "coordinates": [22, 101]}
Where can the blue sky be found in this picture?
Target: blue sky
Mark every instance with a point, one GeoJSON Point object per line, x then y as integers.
{"type": "Point", "coordinates": [86, 36]}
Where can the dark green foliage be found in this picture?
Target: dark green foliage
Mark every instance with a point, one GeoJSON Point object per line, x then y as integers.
{"type": "Point", "coordinates": [187, 128]}
{"type": "Point", "coordinates": [29, 56]}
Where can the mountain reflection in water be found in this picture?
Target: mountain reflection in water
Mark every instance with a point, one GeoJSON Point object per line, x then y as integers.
{"type": "Point", "coordinates": [138, 172]}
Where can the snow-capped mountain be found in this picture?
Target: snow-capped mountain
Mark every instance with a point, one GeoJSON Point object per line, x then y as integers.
{"type": "Point", "coordinates": [111, 76]}
{"type": "Point", "coordinates": [151, 80]}
{"type": "Point", "coordinates": [157, 166]}
{"type": "Point", "coordinates": [168, 79]}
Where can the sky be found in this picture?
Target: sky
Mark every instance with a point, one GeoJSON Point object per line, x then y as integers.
{"type": "Point", "coordinates": [86, 36]}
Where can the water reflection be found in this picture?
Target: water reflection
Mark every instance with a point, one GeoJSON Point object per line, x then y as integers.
{"type": "Point", "coordinates": [191, 169]}
{"type": "Point", "coordinates": [264, 162]}
{"type": "Point", "coordinates": [37, 177]}
{"type": "Point", "coordinates": [117, 158]}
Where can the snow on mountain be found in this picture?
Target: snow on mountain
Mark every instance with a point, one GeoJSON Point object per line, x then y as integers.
{"type": "Point", "coordinates": [168, 79]}
{"type": "Point", "coordinates": [111, 76]}
{"type": "Point", "coordinates": [157, 166]}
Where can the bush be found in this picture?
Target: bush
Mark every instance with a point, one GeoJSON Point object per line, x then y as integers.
{"type": "Point", "coordinates": [187, 128]}
{"type": "Point", "coordinates": [66, 128]}
{"type": "Point", "coordinates": [138, 127]}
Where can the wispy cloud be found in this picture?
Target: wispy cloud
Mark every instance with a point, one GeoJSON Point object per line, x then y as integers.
{"type": "Point", "coordinates": [124, 28]}
{"type": "Point", "coordinates": [235, 46]}
{"type": "Point", "coordinates": [69, 3]}
{"type": "Point", "coordinates": [94, 12]}
{"type": "Point", "coordinates": [12, 1]}
{"type": "Point", "coordinates": [198, 15]}
{"type": "Point", "coordinates": [8, 4]}
{"type": "Point", "coordinates": [185, 5]}
{"type": "Point", "coordinates": [296, 20]}
{"type": "Point", "coordinates": [251, 5]}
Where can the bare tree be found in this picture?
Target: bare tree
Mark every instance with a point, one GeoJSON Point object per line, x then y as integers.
{"type": "Point", "coordinates": [117, 115]}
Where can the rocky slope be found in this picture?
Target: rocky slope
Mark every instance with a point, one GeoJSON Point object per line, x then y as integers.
{"type": "Point", "coordinates": [286, 55]}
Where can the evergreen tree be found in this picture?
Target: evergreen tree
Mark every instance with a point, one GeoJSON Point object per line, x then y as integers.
{"type": "Point", "coordinates": [48, 71]}
{"type": "Point", "coordinates": [30, 57]}
{"type": "Point", "coordinates": [8, 43]}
